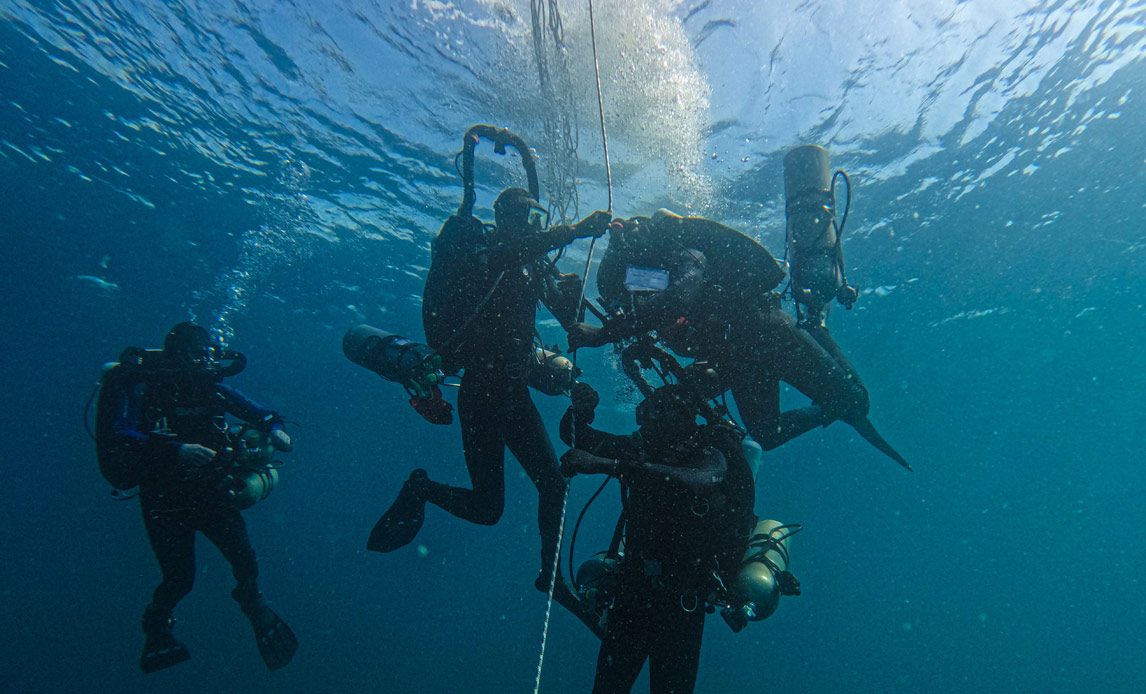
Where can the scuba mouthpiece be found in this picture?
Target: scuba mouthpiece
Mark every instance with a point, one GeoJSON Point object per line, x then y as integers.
{"type": "Point", "coordinates": [814, 239]}
{"type": "Point", "coordinates": [500, 138]}
{"type": "Point", "coordinates": [238, 363]}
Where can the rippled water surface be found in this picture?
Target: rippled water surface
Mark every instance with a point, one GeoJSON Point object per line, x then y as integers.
{"type": "Point", "coordinates": [277, 169]}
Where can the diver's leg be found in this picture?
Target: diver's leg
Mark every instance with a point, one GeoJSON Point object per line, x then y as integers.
{"type": "Point", "coordinates": [792, 355]}
{"type": "Point", "coordinates": [817, 373]}
{"type": "Point", "coordinates": [227, 530]}
{"type": "Point", "coordinates": [625, 646]}
{"type": "Point", "coordinates": [527, 439]}
{"type": "Point", "coordinates": [529, 442]}
{"type": "Point", "coordinates": [824, 339]}
{"type": "Point", "coordinates": [481, 408]}
{"type": "Point", "coordinates": [758, 401]}
{"type": "Point", "coordinates": [674, 656]}
{"type": "Point", "coordinates": [172, 537]}
{"type": "Point", "coordinates": [484, 450]}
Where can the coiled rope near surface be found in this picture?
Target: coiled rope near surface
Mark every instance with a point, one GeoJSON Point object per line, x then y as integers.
{"type": "Point", "coordinates": [580, 314]}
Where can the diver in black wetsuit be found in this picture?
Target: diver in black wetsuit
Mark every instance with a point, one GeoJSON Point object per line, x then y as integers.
{"type": "Point", "coordinates": [167, 418]}
{"type": "Point", "coordinates": [688, 495]}
{"type": "Point", "coordinates": [478, 310]}
{"type": "Point", "coordinates": [707, 290]}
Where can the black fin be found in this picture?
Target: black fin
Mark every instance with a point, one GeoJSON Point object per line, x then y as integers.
{"type": "Point", "coordinates": [400, 524]}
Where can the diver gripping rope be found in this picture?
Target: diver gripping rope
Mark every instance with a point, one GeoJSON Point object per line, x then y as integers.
{"type": "Point", "coordinates": [580, 316]}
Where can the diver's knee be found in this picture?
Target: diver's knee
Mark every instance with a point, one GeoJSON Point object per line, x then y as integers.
{"type": "Point", "coordinates": [488, 514]}
{"type": "Point", "coordinates": [552, 485]}
{"type": "Point", "coordinates": [769, 435]}
{"type": "Point", "coordinates": [857, 403]}
{"type": "Point", "coordinates": [177, 588]}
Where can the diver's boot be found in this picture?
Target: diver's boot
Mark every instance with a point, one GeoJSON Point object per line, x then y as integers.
{"type": "Point", "coordinates": [160, 649]}
{"type": "Point", "coordinates": [568, 599]}
{"type": "Point", "coordinates": [400, 524]}
{"type": "Point", "coordinates": [276, 642]}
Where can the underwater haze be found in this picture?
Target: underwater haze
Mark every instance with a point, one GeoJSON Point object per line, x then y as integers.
{"type": "Point", "coordinates": [276, 170]}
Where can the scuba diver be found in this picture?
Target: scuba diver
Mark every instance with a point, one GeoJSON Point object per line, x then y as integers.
{"type": "Point", "coordinates": [687, 493]}
{"type": "Point", "coordinates": [479, 308]}
{"type": "Point", "coordinates": [708, 291]}
{"type": "Point", "coordinates": [160, 426]}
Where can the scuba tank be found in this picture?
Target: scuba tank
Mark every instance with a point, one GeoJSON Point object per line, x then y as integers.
{"type": "Point", "coordinates": [550, 373]}
{"type": "Point", "coordinates": [763, 576]}
{"type": "Point", "coordinates": [414, 365]}
{"type": "Point", "coordinates": [597, 581]}
{"type": "Point", "coordinates": [255, 478]}
{"type": "Point", "coordinates": [814, 239]}
{"type": "Point", "coordinates": [394, 358]}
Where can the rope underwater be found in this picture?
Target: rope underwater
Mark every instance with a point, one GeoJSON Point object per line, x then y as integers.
{"type": "Point", "coordinates": [580, 316]}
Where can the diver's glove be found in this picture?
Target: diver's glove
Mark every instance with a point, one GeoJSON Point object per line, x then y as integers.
{"type": "Point", "coordinates": [578, 462]}
{"type": "Point", "coordinates": [193, 458]}
{"type": "Point", "coordinates": [585, 335]}
{"type": "Point", "coordinates": [569, 285]}
{"type": "Point", "coordinates": [281, 440]}
{"type": "Point", "coordinates": [595, 225]}
{"type": "Point", "coordinates": [585, 401]}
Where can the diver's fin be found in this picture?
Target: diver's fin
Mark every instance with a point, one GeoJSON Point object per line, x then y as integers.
{"type": "Point", "coordinates": [400, 524]}
{"type": "Point", "coordinates": [866, 429]}
{"type": "Point", "coordinates": [160, 649]}
{"type": "Point", "coordinates": [276, 642]}
{"type": "Point", "coordinates": [161, 652]}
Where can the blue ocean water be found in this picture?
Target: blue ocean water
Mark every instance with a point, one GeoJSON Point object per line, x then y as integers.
{"type": "Point", "coordinates": [276, 170]}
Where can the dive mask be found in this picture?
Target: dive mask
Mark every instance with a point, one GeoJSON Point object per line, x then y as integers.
{"type": "Point", "coordinates": [538, 218]}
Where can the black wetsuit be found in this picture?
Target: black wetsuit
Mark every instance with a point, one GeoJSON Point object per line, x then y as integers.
{"type": "Point", "coordinates": [479, 308]}
{"type": "Point", "coordinates": [687, 516]}
{"type": "Point", "coordinates": [156, 413]}
{"type": "Point", "coordinates": [719, 306]}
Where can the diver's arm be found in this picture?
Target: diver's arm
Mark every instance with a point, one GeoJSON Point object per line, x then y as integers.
{"type": "Point", "coordinates": [246, 409]}
{"type": "Point", "coordinates": [593, 441]}
{"type": "Point", "coordinates": [509, 255]}
{"type": "Point", "coordinates": [252, 412]}
{"type": "Point", "coordinates": [709, 471]}
{"type": "Point", "coordinates": [560, 294]}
